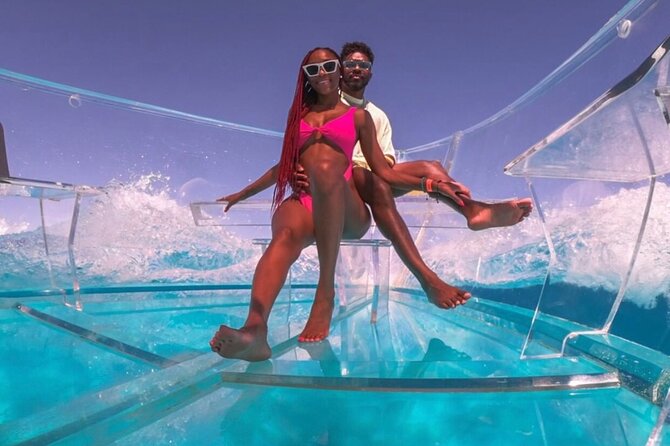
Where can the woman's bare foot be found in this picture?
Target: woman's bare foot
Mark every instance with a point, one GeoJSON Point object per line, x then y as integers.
{"type": "Point", "coordinates": [248, 343]}
{"type": "Point", "coordinates": [443, 295]}
{"type": "Point", "coordinates": [493, 215]}
{"type": "Point", "coordinates": [318, 323]}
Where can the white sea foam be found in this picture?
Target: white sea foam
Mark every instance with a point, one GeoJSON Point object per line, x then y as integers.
{"type": "Point", "coordinates": [604, 237]}
{"type": "Point", "coordinates": [12, 228]}
{"type": "Point", "coordinates": [593, 247]}
{"type": "Point", "coordinates": [138, 232]}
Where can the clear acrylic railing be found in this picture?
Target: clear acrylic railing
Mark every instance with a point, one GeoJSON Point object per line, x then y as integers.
{"type": "Point", "coordinates": [623, 137]}
{"type": "Point", "coordinates": [619, 142]}
{"type": "Point", "coordinates": [601, 174]}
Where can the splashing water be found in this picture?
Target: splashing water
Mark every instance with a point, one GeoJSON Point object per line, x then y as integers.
{"type": "Point", "coordinates": [12, 228]}
{"type": "Point", "coordinates": [148, 236]}
{"type": "Point", "coordinates": [138, 233]}
{"type": "Point", "coordinates": [593, 248]}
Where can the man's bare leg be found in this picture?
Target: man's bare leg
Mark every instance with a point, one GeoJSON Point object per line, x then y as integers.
{"type": "Point", "coordinates": [378, 195]}
{"type": "Point", "coordinates": [482, 215]}
{"type": "Point", "coordinates": [479, 215]}
{"type": "Point", "coordinates": [292, 230]}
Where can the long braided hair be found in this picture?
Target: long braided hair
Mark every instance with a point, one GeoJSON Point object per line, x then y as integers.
{"type": "Point", "coordinates": [303, 98]}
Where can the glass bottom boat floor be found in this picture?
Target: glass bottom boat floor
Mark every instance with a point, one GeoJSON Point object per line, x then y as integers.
{"type": "Point", "coordinates": [135, 368]}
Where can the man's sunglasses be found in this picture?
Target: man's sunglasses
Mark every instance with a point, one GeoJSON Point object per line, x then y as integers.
{"type": "Point", "coordinates": [328, 66]}
{"type": "Point", "coordinates": [361, 64]}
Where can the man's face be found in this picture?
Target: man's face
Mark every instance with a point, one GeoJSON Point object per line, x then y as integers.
{"type": "Point", "coordinates": [355, 75]}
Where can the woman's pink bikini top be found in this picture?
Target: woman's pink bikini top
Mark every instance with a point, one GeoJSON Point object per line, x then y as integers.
{"type": "Point", "coordinates": [341, 131]}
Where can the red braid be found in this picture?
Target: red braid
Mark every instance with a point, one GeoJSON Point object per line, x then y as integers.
{"type": "Point", "coordinates": [290, 152]}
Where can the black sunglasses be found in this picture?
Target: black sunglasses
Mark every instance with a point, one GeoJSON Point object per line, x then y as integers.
{"type": "Point", "coordinates": [361, 64]}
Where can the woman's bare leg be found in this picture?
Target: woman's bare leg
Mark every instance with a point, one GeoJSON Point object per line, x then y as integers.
{"type": "Point", "coordinates": [292, 230]}
{"type": "Point", "coordinates": [336, 207]}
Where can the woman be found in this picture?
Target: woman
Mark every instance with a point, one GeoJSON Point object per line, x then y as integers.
{"type": "Point", "coordinates": [320, 134]}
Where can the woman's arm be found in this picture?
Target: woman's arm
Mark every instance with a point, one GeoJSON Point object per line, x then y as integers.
{"type": "Point", "coordinates": [259, 185]}
{"type": "Point", "coordinates": [373, 155]}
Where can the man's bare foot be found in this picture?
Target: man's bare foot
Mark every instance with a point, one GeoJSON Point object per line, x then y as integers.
{"type": "Point", "coordinates": [493, 215]}
{"type": "Point", "coordinates": [318, 323]}
{"type": "Point", "coordinates": [443, 295]}
{"type": "Point", "coordinates": [248, 343]}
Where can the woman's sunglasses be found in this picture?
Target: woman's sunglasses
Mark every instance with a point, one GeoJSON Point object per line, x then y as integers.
{"type": "Point", "coordinates": [328, 66]}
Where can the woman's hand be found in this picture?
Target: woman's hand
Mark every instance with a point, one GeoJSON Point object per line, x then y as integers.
{"type": "Point", "coordinates": [231, 199]}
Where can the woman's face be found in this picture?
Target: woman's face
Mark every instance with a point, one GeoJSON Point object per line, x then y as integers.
{"type": "Point", "coordinates": [323, 71]}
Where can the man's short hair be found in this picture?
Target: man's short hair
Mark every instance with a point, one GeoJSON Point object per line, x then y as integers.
{"type": "Point", "coordinates": [357, 47]}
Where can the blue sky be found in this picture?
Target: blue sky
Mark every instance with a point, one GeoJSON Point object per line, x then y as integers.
{"type": "Point", "coordinates": [441, 66]}
{"type": "Point", "coordinates": [454, 61]}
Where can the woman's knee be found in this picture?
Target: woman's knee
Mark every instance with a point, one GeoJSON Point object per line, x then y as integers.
{"type": "Point", "coordinates": [286, 236]}
{"type": "Point", "coordinates": [288, 240]}
{"type": "Point", "coordinates": [326, 172]}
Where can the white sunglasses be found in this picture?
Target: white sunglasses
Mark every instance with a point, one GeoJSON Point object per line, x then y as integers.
{"type": "Point", "coordinates": [313, 69]}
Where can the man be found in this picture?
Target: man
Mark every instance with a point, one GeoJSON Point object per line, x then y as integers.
{"type": "Point", "coordinates": [357, 59]}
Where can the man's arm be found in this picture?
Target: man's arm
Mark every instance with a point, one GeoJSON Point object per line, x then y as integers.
{"type": "Point", "coordinates": [384, 138]}
{"type": "Point", "coordinates": [384, 133]}
{"type": "Point", "coordinates": [375, 158]}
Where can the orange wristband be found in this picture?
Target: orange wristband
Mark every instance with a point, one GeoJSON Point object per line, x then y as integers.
{"type": "Point", "coordinates": [429, 185]}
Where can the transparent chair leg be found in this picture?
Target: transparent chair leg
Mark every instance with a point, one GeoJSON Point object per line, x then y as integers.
{"type": "Point", "coordinates": [381, 270]}
{"type": "Point", "coordinates": [662, 424]}
{"type": "Point", "coordinates": [76, 302]}
{"type": "Point", "coordinates": [537, 205]}
{"type": "Point", "coordinates": [340, 281]}
{"type": "Point", "coordinates": [52, 280]}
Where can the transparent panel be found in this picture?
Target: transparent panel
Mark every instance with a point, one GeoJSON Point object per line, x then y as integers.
{"type": "Point", "coordinates": [622, 136]}
{"type": "Point", "coordinates": [660, 435]}
{"type": "Point", "coordinates": [145, 162]}
{"type": "Point", "coordinates": [663, 95]}
{"type": "Point", "coordinates": [155, 282]}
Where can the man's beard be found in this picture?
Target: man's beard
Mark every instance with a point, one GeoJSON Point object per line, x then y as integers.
{"type": "Point", "coordinates": [358, 85]}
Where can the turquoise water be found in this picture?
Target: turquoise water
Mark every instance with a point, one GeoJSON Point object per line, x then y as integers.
{"type": "Point", "coordinates": [134, 366]}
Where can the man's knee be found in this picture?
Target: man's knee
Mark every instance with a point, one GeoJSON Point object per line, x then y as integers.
{"type": "Point", "coordinates": [434, 168]}
{"type": "Point", "coordinates": [372, 188]}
